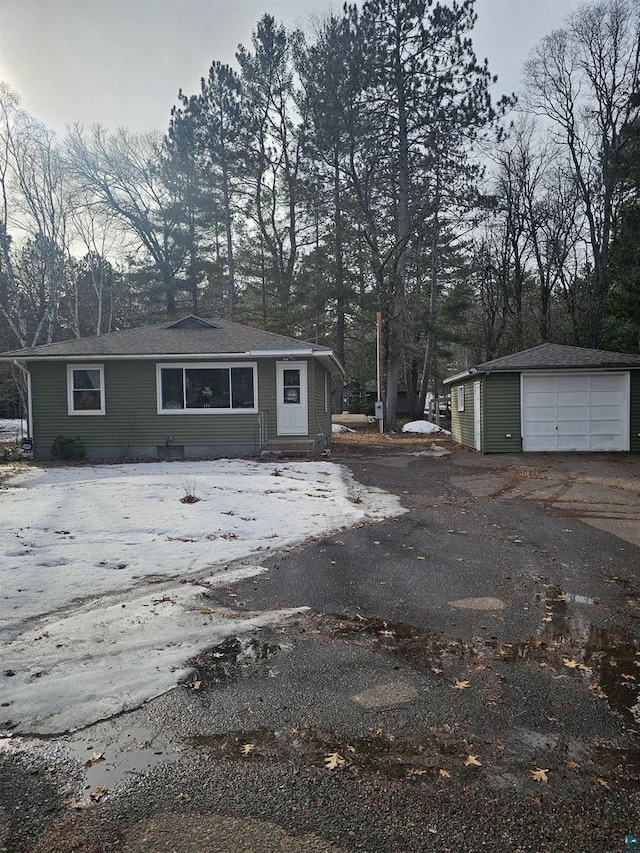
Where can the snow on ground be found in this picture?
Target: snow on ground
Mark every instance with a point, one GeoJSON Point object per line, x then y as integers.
{"type": "Point", "coordinates": [96, 616]}
{"type": "Point", "coordinates": [336, 428]}
{"type": "Point", "coordinates": [12, 429]}
{"type": "Point", "coordinates": [424, 427]}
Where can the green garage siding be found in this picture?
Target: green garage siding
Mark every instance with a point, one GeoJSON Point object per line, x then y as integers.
{"type": "Point", "coordinates": [501, 409]}
{"type": "Point", "coordinates": [635, 412]}
{"type": "Point", "coordinates": [462, 421]}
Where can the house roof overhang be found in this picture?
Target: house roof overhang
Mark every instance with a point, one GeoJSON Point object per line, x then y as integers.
{"type": "Point", "coordinates": [327, 358]}
{"type": "Point", "coordinates": [190, 338]}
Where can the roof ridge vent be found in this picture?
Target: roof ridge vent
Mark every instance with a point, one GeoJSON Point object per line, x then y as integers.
{"type": "Point", "coordinates": [191, 322]}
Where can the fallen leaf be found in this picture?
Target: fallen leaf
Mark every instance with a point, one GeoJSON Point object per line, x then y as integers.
{"type": "Point", "coordinates": [584, 668]}
{"type": "Point", "coordinates": [570, 663]}
{"type": "Point", "coordinates": [98, 794]}
{"type": "Point", "coordinates": [247, 748]}
{"type": "Point", "coordinates": [548, 618]}
{"type": "Point", "coordinates": [628, 677]}
{"type": "Point", "coordinates": [539, 775]}
{"type": "Point", "coordinates": [415, 772]}
{"type": "Point", "coordinates": [387, 633]}
{"type": "Point", "coordinates": [472, 761]}
{"type": "Point", "coordinates": [195, 685]}
{"type": "Point", "coordinates": [94, 759]}
{"type": "Point", "coordinates": [603, 783]}
{"type": "Point", "coordinates": [444, 773]}
{"type": "Point", "coordinates": [461, 685]}
{"type": "Point", "coordinates": [572, 765]}
{"type": "Point", "coordinates": [436, 669]}
{"type": "Point", "coordinates": [333, 761]}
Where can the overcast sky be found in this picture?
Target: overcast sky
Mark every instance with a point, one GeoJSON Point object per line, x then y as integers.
{"type": "Point", "coordinates": [121, 62]}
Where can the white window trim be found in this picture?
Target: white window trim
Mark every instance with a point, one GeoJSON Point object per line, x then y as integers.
{"type": "Point", "coordinates": [205, 365]}
{"type": "Point", "coordinates": [91, 412]}
{"type": "Point", "coordinates": [460, 398]}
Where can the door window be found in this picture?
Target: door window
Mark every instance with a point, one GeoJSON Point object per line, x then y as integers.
{"type": "Point", "coordinates": [291, 386]}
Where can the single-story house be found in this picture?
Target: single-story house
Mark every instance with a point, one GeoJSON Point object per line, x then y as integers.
{"type": "Point", "coordinates": [547, 398]}
{"type": "Point", "coordinates": [188, 388]}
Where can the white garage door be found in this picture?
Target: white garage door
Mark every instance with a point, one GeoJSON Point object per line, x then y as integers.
{"type": "Point", "coordinates": [575, 411]}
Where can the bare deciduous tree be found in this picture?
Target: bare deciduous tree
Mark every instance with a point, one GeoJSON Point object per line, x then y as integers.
{"type": "Point", "coordinates": [580, 80]}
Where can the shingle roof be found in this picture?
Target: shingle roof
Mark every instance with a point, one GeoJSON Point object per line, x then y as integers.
{"type": "Point", "coordinates": [559, 356]}
{"type": "Point", "coordinates": [554, 357]}
{"type": "Point", "coordinates": [209, 337]}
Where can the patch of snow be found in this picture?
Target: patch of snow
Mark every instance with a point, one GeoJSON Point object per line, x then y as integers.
{"type": "Point", "coordinates": [12, 429]}
{"type": "Point", "coordinates": [424, 427]}
{"type": "Point", "coordinates": [97, 617]}
{"type": "Point", "coordinates": [340, 428]}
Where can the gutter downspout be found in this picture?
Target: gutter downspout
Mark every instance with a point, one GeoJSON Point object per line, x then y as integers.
{"type": "Point", "coordinates": [21, 366]}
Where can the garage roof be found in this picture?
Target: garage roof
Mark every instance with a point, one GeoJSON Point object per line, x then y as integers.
{"type": "Point", "coordinates": [553, 357]}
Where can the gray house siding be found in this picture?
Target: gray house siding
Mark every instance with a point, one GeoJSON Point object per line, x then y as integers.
{"type": "Point", "coordinates": [131, 425]}
{"type": "Point", "coordinates": [501, 431]}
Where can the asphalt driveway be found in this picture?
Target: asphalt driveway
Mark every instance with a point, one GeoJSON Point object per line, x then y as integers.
{"type": "Point", "coordinates": [466, 679]}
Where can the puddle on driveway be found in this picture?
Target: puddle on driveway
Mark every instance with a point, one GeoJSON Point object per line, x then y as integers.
{"type": "Point", "coordinates": [117, 750]}
{"type": "Point", "coordinates": [613, 658]}
{"type": "Point", "coordinates": [609, 662]}
{"type": "Point", "coordinates": [230, 659]}
{"type": "Point", "coordinates": [378, 751]}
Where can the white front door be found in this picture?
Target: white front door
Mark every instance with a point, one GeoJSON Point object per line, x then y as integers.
{"type": "Point", "coordinates": [291, 391]}
{"type": "Point", "coordinates": [575, 411]}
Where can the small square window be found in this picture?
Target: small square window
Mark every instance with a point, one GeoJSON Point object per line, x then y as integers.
{"type": "Point", "coordinates": [460, 398]}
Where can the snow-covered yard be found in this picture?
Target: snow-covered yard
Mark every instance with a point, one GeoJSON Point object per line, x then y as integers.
{"type": "Point", "coordinates": [96, 616]}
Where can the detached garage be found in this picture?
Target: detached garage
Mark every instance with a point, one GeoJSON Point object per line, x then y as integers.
{"type": "Point", "coordinates": [549, 398]}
